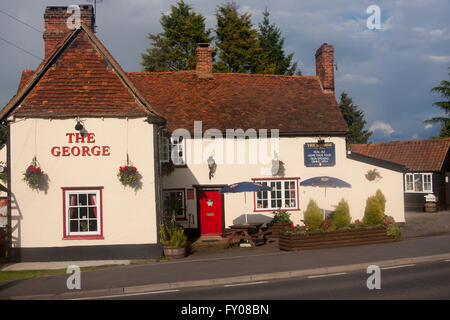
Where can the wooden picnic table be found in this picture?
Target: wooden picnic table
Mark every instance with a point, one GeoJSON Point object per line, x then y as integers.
{"type": "Point", "coordinates": [250, 232]}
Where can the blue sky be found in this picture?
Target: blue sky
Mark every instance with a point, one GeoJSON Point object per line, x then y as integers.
{"type": "Point", "coordinates": [387, 72]}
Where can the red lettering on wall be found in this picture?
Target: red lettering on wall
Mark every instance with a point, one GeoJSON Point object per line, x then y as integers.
{"type": "Point", "coordinates": [78, 137]}
{"type": "Point", "coordinates": [55, 151]}
{"type": "Point", "coordinates": [65, 151]}
{"type": "Point", "coordinates": [106, 151]}
{"type": "Point", "coordinates": [91, 137]}
{"type": "Point", "coordinates": [96, 153]}
{"type": "Point", "coordinates": [85, 151]}
{"type": "Point", "coordinates": [70, 135]}
{"type": "Point", "coordinates": [75, 151]}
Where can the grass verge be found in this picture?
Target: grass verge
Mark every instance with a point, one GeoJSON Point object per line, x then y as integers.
{"type": "Point", "coordinates": [28, 274]}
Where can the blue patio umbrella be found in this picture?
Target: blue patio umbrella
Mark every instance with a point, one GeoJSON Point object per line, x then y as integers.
{"type": "Point", "coordinates": [325, 182]}
{"type": "Point", "coordinates": [244, 187]}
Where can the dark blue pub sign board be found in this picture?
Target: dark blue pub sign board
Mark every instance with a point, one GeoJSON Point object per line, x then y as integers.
{"type": "Point", "coordinates": [319, 155]}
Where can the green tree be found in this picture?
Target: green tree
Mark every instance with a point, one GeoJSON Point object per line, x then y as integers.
{"type": "Point", "coordinates": [273, 59]}
{"type": "Point", "coordinates": [355, 120]}
{"type": "Point", "coordinates": [175, 48]}
{"type": "Point", "coordinates": [236, 40]}
{"type": "Point", "coordinates": [373, 213]}
{"type": "Point", "coordinates": [342, 217]}
{"type": "Point", "coordinates": [444, 90]}
{"type": "Point", "coordinates": [313, 215]}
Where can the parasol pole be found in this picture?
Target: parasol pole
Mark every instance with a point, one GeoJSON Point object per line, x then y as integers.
{"type": "Point", "coordinates": [245, 200]}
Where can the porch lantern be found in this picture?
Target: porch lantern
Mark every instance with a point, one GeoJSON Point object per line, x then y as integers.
{"type": "Point", "coordinates": [79, 126]}
{"type": "Point", "coordinates": [212, 166]}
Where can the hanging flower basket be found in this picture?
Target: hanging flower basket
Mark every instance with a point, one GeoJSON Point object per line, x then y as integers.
{"type": "Point", "coordinates": [33, 176]}
{"type": "Point", "coordinates": [128, 175]}
{"type": "Point", "coordinates": [3, 172]}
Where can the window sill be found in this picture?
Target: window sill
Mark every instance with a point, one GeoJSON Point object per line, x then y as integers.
{"type": "Point", "coordinates": [93, 237]}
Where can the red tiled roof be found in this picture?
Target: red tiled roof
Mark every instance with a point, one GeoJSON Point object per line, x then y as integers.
{"type": "Point", "coordinates": [80, 78]}
{"type": "Point", "coordinates": [416, 155]}
{"type": "Point", "coordinates": [84, 80]}
{"type": "Point", "coordinates": [292, 104]}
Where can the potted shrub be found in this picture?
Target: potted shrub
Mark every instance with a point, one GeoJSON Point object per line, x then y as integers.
{"type": "Point", "coordinates": [313, 215]}
{"type": "Point", "coordinates": [342, 216]}
{"type": "Point", "coordinates": [280, 220]}
{"type": "Point", "coordinates": [173, 239]}
{"type": "Point", "coordinates": [373, 213]}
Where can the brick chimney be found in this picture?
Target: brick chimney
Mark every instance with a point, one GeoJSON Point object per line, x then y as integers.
{"type": "Point", "coordinates": [325, 67]}
{"type": "Point", "coordinates": [55, 19]}
{"type": "Point", "coordinates": [204, 62]}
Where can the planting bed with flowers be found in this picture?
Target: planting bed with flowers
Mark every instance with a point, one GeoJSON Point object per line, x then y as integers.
{"type": "Point", "coordinates": [338, 231]}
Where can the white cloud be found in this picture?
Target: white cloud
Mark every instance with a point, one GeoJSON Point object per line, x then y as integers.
{"type": "Point", "coordinates": [356, 78]}
{"type": "Point", "coordinates": [382, 127]}
{"type": "Point", "coordinates": [439, 59]}
{"type": "Point", "coordinates": [428, 126]}
{"type": "Point", "coordinates": [414, 136]}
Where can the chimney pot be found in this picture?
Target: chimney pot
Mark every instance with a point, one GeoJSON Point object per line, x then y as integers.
{"type": "Point", "coordinates": [325, 67]}
{"type": "Point", "coordinates": [203, 64]}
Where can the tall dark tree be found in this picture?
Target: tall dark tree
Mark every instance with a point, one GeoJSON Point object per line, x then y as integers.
{"type": "Point", "coordinates": [174, 48]}
{"type": "Point", "coordinates": [444, 90]}
{"type": "Point", "coordinates": [273, 59]}
{"type": "Point", "coordinates": [355, 120]}
{"type": "Point", "coordinates": [236, 40]}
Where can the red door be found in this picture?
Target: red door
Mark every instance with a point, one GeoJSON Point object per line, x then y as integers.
{"type": "Point", "coordinates": [210, 203]}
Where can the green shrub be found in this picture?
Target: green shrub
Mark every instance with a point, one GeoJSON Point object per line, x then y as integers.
{"type": "Point", "coordinates": [381, 198]}
{"type": "Point", "coordinates": [313, 215]}
{"type": "Point", "coordinates": [393, 230]}
{"type": "Point", "coordinates": [281, 216]}
{"type": "Point", "coordinates": [172, 234]}
{"type": "Point", "coordinates": [373, 214]}
{"type": "Point", "coordinates": [342, 216]}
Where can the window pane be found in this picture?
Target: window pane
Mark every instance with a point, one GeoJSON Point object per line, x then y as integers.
{"type": "Point", "coordinates": [82, 199]}
{"type": "Point", "coordinates": [92, 225]}
{"type": "Point", "coordinates": [92, 200]}
{"type": "Point", "coordinates": [409, 183]}
{"type": "Point", "coordinates": [83, 226]}
{"type": "Point", "coordinates": [73, 200]}
{"type": "Point", "coordinates": [73, 213]}
{"type": "Point", "coordinates": [83, 212]}
{"type": "Point", "coordinates": [92, 213]}
{"type": "Point", "coordinates": [418, 182]}
{"type": "Point", "coordinates": [73, 225]}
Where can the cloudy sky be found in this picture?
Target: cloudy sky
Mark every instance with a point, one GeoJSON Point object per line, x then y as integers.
{"type": "Point", "coordinates": [388, 72]}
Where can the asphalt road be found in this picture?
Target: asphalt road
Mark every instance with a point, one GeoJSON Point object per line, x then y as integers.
{"type": "Point", "coordinates": [416, 281]}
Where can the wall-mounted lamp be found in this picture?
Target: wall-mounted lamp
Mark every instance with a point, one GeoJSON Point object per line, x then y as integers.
{"type": "Point", "coordinates": [79, 126]}
{"type": "Point", "coordinates": [320, 141]}
{"type": "Point", "coordinates": [212, 166]}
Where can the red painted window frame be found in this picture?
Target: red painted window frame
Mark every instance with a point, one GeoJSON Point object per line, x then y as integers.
{"type": "Point", "coordinates": [82, 237]}
{"type": "Point", "coordinates": [275, 178]}
{"type": "Point", "coordinates": [184, 198]}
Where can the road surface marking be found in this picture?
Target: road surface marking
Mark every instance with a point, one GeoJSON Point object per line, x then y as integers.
{"type": "Point", "coordinates": [327, 275]}
{"type": "Point", "coordinates": [396, 267]}
{"type": "Point", "coordinates": [128, 294]}
{"type": "Point", "coordinates": [244, 284]}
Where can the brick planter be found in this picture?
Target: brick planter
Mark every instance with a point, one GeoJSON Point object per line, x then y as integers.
{"type": "Point", "coordinates": [333, 239]}
{"type": "Point", "coordinates": [275, 229]}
